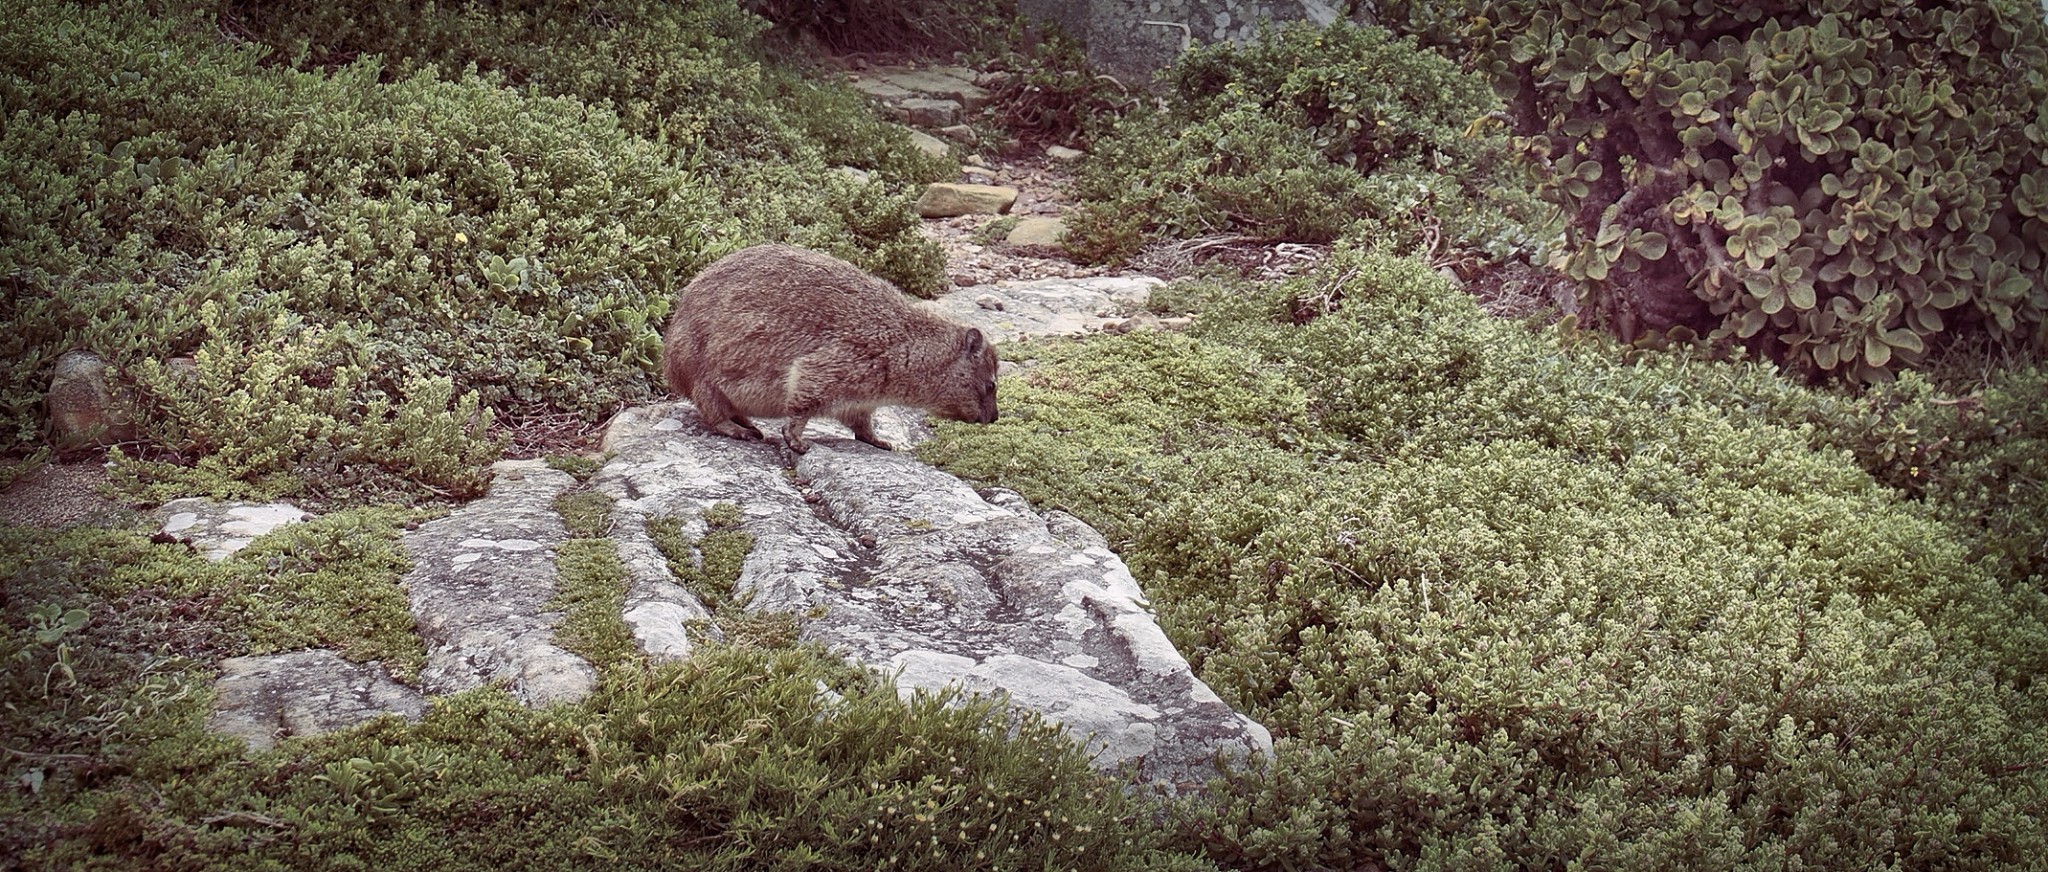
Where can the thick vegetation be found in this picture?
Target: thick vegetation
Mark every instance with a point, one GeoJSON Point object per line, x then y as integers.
{"type": "Point", "coordinates": [371, 229]}
{"type": "Point", "coordinates": [1510, 596]}
{"type": "Point", "coordinates": [1512, 602]}
{"type": "Point", "coordinates": [1845, 186]}
{"type": "Point", "coordinates": [1304, 135]}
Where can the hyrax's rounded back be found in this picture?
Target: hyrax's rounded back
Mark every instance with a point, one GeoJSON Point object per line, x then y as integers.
{"type": "Point", "coordinates": [776, 331]}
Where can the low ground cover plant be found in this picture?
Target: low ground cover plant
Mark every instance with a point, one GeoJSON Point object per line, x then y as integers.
{"type": "Point", "coordinates": [1306, 133]}
{"type": "Point", "coordinates": [375, 219]}
{"type": "Point", "coordinates": [1511, 601]}
{"type": "Point", "coordinates": [1510, 595]}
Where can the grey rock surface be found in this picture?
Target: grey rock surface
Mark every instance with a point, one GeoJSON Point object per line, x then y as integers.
{"type": "Point", "coordinates": [218, 529]}
{"type": "Point", "coordinates": [301, 693]}
{"type": "Point", "coordinates": [894, 564]}
{"type": "Point", "coordinates": [893, 84]}
{"type": "Point", "coordinates": [1048, 307]}
{"type": "Point", "coordinates": [911, 571]}
{"type": "Point", "coordinates": [480, 586]}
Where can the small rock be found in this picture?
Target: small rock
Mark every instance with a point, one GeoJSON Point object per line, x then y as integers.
{"type": "Point", "coordinates": [945, 200]}
{"type": "Point", "coordinates": [1037, 233]}
{"type": "Point", "coordinates": [925, 112]}
{"type": "Point", "coordinates": [85, 411]}
{"type": "Point", "coordinates": [930, 144]}
{"type": "Point", "coordinates": [1064, 154]}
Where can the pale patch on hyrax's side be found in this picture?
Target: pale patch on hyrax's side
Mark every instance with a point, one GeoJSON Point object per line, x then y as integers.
{"type": "Point", "coordinates": [779, 332]}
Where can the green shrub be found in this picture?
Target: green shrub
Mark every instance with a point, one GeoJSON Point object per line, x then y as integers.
{"type": "Point", "coordinates": [931, 28]}
{"type": "Point", "coordinates": [1844, 189]}
{"type": "Point", "coordinates": [1510, 602]}
{"type": "Point", "coordinates": [736, 759]}
{"type": "Point", "coordinates": [391, 223]}
{"type": "Point", "coordinates": [1303, 135]}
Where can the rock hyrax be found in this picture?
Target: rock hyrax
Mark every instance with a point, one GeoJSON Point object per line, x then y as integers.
{"type": "Point", "coordinates": [781, 332]}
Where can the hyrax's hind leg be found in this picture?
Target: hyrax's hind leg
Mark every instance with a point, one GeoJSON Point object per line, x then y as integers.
{"type": "Point", "coordinates": [719, 415]}
{"type": "Point", "coordinates": [862, 423]}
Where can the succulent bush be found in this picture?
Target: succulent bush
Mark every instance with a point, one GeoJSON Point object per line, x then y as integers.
{"type": "Point", "coordinates": [1510, 601]}
{"type": "Point", "coordinates": [1844, 186]}
{"type": "Point", "coordinates": [1302, 135]}
{"type": "Point", "coordinates": [372, 228]}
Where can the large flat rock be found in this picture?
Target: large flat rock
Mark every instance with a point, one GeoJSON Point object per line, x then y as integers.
{"type": "Point", "coordinates": [913, 572]}
{"type": "Point", "coordinates": [480, 585]}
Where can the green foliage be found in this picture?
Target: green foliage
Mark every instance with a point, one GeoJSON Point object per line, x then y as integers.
{"type": "Point", "coordinates": [590, 583]}
{"type": "Point", "coordinates": [1307, 134]}
{"type": "Point", "coordinates": [331, 582]}
{"type": "Point", "coordinates": [736, 759]}
{"type": "Point", "coordinates": [1044, 91]}
{"type": "Point", "coordinates": [577, 465]}
{"type": "Point", "coordinates": [590, 579]}
{"type": "Point", "coordinates": [373, 226]}
{"type": "Point", "coordinates": [709, 565]}
{"type": "Point", "coordinates": [931, 28]}
{"type": "Point", "coordinates": [1846, 188]}
{"type": "Point", "coordinates": [586, 513]}
{"type": "Point", "coordinates": [1510, 602]}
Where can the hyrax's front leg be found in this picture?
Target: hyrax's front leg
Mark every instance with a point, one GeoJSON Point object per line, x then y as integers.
{"type": "Point", "coordinates": [793, 433]}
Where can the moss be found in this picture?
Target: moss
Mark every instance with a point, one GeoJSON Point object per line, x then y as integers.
{"type": "Point", "coordinates": [586, 513]}
{"type": "Point", "coordinates": [709, 565]}
{"type": "Point", "coordinates": [577, 465]}
{"type": "Point", "coordinates": [591, 594]}
{"type": "Point", "coordinates": [332, 582]}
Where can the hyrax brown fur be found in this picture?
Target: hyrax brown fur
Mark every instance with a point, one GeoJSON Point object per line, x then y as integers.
{"type": "Point", "coordinates": [781, 332]}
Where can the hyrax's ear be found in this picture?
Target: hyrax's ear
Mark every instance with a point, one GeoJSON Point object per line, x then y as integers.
{"type": "Point", "coordinates": [974, 342]}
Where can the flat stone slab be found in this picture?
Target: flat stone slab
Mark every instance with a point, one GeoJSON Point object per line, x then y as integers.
{"type": "Point", "coordinates": [954, 83]}
{"type": "Point", "coordinates": [304, 693]}
{"type": "Point", "coordinates": [911, 571]}
{"type": "Point", "coordinates": [1048, 307]}
{"type": "Point", "coordinates": [480, 586]}
{"type": "Point", "coordinates": [218, 529]}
